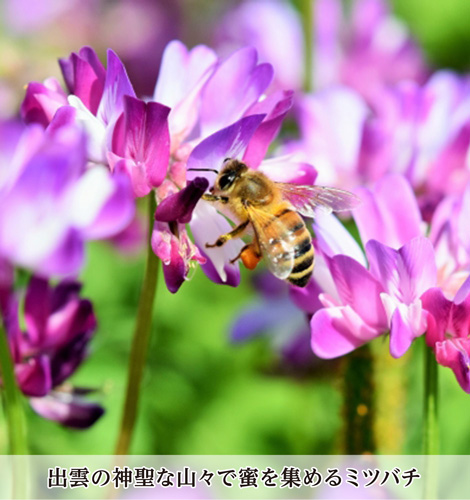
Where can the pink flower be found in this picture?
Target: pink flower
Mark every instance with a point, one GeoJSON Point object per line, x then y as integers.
{"type": "Point", "coordinates": [449, 330]}
{"type": "Point", "coordinates": [385, 297]}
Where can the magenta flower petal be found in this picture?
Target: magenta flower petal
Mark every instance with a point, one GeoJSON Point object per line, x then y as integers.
{"type": "Point", "coordinates": [71, 411]}
{"type": "Point", "coordinates": [36, 309]}
{"type": "Point", "coordinates": [389, 213]}
{"type": "Point", "coordinates": [34, 376]}
{"type": "Point", "coordinates": [339, 330]}
{"type": "Point", "coordinates": [42, 101]}
{"type": "Point", "coordinates": [236, 85]}
{"type": "Point", "coordinates": [275, 106]}
{"type": "Point", "coordinates": [307, 298]}
{"type": "Point", "coordinates": [176, 271]}
{"type": "Point", "coordinates": [405, 273]}
{"type": "Point", "coordinates": [407, 323]}
{"type": "Point", "coordinates": [84, 76]}
{"type": "Point", "coordinates": [440, 310]}
{"type": "Point", "coordinates": [117, 85]}
{"type": "Point", "coordinates": [359, 289]}
{"type": "Point", "coordinates": [455, 354]}
{"type": "Point", "coordinates": [143, 141]}
{"type": "Point", "coordinates": [230, 142]}
{"type": "Point", "coordinates": [179, 206]}
{"type": "Point", "coordinates": [288, 169]}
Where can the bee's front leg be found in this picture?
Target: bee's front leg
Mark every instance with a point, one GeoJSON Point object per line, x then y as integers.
{"type": "Point", "coordinates": [213, 198]}
{"type": "Point", "coordinates": [235, 233]}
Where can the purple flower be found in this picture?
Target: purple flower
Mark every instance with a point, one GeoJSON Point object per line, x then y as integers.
{"type": "Point", "coordinates": [85, 77]}
{"type": "Point", "coordinates": [204, 131]}
{"type": "Point", "coordinates": [50, 204]}
{"type": "Point", "coordinates": [41, 101]}
{"type": "Point", "coordinates": [449, 329]}
{"type": "Point", "coordinates": [141, 144]}
{"type": "Point", "coordinates": [59, 326]}
{"type": "Point", "coordinates": [123, 132]}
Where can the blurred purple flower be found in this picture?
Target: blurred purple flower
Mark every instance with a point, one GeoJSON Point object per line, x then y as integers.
{"type": "Point", "coordinates": [276, 314]}
{"type": "Point", "coordinates": [368, 50]}
{"type": "Point", "coordinates": [377, 51]}
{"type": "Point", "coordinates": [278, 38]}
{"type": "Point", "coordinates": [332, 123]}
{"type": "Point", "coordinates": [449, 330]}
{"type": "Point", "coordinates": [422, 132]}
{"type": "Point", "coordinates": [50, 204]}
{"type": "Point", "coordinates": [59, 326]}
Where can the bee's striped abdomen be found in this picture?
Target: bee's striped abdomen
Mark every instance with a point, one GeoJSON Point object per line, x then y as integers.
{"type": "Point", "coordinates": [303, 249]}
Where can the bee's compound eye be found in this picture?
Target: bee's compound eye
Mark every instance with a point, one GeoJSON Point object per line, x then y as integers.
{"type": "Point", "coordinates": [226, 181]}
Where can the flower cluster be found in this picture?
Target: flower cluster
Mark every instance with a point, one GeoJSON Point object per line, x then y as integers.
{"type": "Point", "coordinates": [381, 123]}
{"type": "Point", "coordinates": [72, 171]}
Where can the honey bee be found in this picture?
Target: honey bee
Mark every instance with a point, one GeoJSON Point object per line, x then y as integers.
{"type": "Point", "coordinates": [273, 210]}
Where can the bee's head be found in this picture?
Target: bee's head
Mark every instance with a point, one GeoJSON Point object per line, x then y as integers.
{"type": "Point", "coordinates": [231, 172]}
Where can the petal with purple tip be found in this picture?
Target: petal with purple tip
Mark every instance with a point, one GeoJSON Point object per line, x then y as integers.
{"type": "Point", "coordinates": [229, 142]}
{"type": "Point", "coordinates": [117, 85]}
{"type": "Point", "coordinates": [236, 85]}
{"type": "Point", "coordinates": [68, 410]}
{"type": "Point", "coordinates": [275, 106]}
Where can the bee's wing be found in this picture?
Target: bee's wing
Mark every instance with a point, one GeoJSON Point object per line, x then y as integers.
{"type": "Point", "coordinates": [308, 200]}
{"type": "Point", "coordinates": [274, 239]}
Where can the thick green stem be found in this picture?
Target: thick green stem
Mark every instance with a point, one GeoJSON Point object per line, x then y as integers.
{"type": "Point", "coordinates": [140, 341]}
{"type": "Point", "coordinates": [431, 427]}
{"type": "Point", "coordinates": [359, 408]}
{"type": "Point", "coordinates": [12, 400]}
{"type": "Point", "coordinates": [308, 21]}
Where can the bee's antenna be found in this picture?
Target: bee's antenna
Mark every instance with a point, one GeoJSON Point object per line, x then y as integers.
{"type": "Point", "coordinates": [204, 170]}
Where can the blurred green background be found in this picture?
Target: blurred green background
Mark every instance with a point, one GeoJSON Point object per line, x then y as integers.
{"type": "Point", "coordinates": [202, 394]}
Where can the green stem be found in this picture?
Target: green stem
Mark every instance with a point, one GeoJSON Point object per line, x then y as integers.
{"type": "Point", "coordinates": [12, 400]}
{"type": "Point", "coordinates": [309, 31]}
{"type": "Point", "coordinates": [359, 407]}
{"type": "Point", "coordinates": [431, 427]}
{"type": "Point", "coordinates": [16, 422]}
{"type": "Point", "coordinates": [140, 341]}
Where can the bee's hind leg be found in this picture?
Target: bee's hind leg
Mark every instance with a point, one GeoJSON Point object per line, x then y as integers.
{"type": "Point", "coordinates": [250, 256]}
{"type": "Point", "coordinates": [234, 233]}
